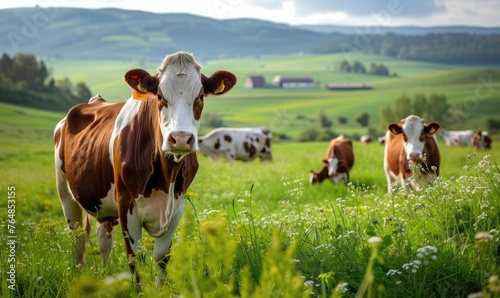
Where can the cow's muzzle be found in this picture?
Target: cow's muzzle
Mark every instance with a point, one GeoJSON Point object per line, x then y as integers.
{"type": "Point", "coordinates": [414, 156]}
{"type": "Point", "coordinates": [181, 142]}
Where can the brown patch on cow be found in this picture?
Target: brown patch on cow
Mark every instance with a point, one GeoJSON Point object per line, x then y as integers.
{"type": "Point", "coordinates": [397, 156]}
{"type": "Point", "coordinates": [91, 174]}
{"type": "Point", "coordinates": [198, 105]}
{"type": "Point", "coordinates": [228, 138]}
{"type": "Point", "coordinates": [137, 145]}
{"type": "Point", "coordinates": [217, 144]}
{"type": "Point", "coordinates": [250, 148]}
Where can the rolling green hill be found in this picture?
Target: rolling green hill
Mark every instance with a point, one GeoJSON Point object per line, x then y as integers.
{"type": "Point", "coordinates": [71, 33]}
{"type": "Point", "coordinates": [141, 36]}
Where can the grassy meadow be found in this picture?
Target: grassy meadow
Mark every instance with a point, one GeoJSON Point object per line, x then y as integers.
{"type": "Point", "coordinates": [259, 229]}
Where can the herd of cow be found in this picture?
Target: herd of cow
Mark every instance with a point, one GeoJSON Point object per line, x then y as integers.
{"type": "Point", "coordinates": [130, 163]}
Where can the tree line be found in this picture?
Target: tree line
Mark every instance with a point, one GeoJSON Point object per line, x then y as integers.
{"type": "Point", "coordinates": [358, 67]}
{"type": "Point", "coordinates": [26, 81]}
{"type": "Point", "coordinates": [435, 107]}
{"type": "Point", "coordinates": [461, 48]}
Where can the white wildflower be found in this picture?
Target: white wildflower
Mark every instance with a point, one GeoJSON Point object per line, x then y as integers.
{"type": "Point", "coordinates": [483, 235]}
{"type": "Point", "coordinates": [375, 240]}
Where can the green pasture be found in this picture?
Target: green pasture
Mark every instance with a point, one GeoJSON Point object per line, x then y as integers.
{"type": "Point", "coordinates": [262, 229]}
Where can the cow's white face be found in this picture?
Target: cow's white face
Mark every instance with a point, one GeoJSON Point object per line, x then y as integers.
{"type": "Point", "coordinates": [181, 96]}
{"type": "Point", "coordinates": [333, 164]}
{"type": "Point", "coordinates": [180, 89]}
{"type": "Point", "coordinates": [413, 130]}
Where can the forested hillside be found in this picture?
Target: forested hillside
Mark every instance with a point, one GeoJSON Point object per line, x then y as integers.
{"type": "Point", "coordinates": [71, 33]}
{"type": "Point", "coordinates": [27, 82]}
{"type": "Point", "coordinates": [461, 48]}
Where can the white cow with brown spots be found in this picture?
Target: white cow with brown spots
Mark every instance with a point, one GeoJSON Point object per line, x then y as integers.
{"type": "Point", "coordinates": [245, 144]}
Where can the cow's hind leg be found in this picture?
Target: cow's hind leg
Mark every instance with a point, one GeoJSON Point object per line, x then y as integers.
{"type": "Point", "coordinates": [73, 214]}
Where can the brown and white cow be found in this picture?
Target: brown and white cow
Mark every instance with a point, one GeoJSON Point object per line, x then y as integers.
{"type": "Point", "coordinates": [243, 144]}
{"type": "Point", "coordinates": [411, 142]}
{"type": "Point", "coordinates": [481, 140]}
{"type": "Point", "coordinates": [337, 163]}
{"type": "Point", "coordinates": [132, 162]}
{"type": "Point", "coordinates": [366, 139]}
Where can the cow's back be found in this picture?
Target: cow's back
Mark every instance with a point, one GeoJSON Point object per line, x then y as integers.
{"type": "Point", "coordinates": [343, 151]}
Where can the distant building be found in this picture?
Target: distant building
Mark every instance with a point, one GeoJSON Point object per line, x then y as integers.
{"type": "Point", "coordinates": [255, 82]}
{"type": "Point", "coordinates": [348, 86]}
{"type": "Point", "coordinates": [293, 82]}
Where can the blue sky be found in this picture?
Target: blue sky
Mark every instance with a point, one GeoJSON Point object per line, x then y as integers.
{"type": "Point", "coordinates": [339, 12]}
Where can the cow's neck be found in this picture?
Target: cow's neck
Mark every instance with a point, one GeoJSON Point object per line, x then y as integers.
{"type": "Point", "coordinates": [165, 175]}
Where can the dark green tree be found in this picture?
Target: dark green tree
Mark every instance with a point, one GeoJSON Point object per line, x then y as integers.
{"type": "Point", "coordinates": [439, 108]}
{"type": "Point", "coordinates": [402, 107]}
{"type": "Point", "coordinates": [419, 105]}
{"type": "Point", "coordinates": [324, 122]}
{"type": "Point", "coordinates": [363, 119]}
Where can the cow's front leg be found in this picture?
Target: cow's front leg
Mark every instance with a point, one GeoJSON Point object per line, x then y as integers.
{"type": "Point", "coordinates": [162, 244]}
{"type": "Point", "coordinates": [131, 229]}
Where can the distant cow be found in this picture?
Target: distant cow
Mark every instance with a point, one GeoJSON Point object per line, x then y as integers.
{"type": "Point", "coordinates": [381, 140]}
{"type": "Point", "coordinates": [477, 139]}
{"type": "Point", "coordinates": [366, 139]}
{"type": "Point", "coordinates": [338, 162]}
{"type": "Point", "coordinates": [411, 142]}
{"type": "Point", "coordinates": [130, 163]}
{"type": "Point", "coordinates": [243, 144]}
{"type": "Point", "coordinates": [481, 140]}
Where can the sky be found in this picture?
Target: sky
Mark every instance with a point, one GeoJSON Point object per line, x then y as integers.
{"type": "Point", "coordinates": [485, 13]}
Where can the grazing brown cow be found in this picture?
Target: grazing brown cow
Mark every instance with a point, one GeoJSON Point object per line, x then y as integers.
{"type": "Point", "coordinates": [243, 144]}
{"type": "Point", "coordinates": [338, 162]}
{"type": "Point", "coordinates": [411, 142]}
{"type": "Point", "coordinates": [366, 139]}
{"type": "Point", "coordinates": [481, 140]}
{"type": "Point", "coordinates": [132, 162]}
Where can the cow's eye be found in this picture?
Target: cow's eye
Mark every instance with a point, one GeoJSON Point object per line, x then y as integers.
{"type": "Point", "coordinates": [160, 97]}
{"type": "Point", "coordinates": [201, 97]}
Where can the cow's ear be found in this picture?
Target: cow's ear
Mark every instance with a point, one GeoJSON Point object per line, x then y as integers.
{"type": "Point", "coordinates": [219, 82]}
{"type": "Point", "coordinates": [432, 128]}
{"type": "Point", "coordinates": [394, 128]}
{"type": "Point", "coordinates": [140, 80]}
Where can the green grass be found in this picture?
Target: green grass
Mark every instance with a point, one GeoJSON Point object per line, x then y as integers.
{"type": "Point", "coordinates": [272, 219]}
{"type": "Point", "coordinates": [259, 229]}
